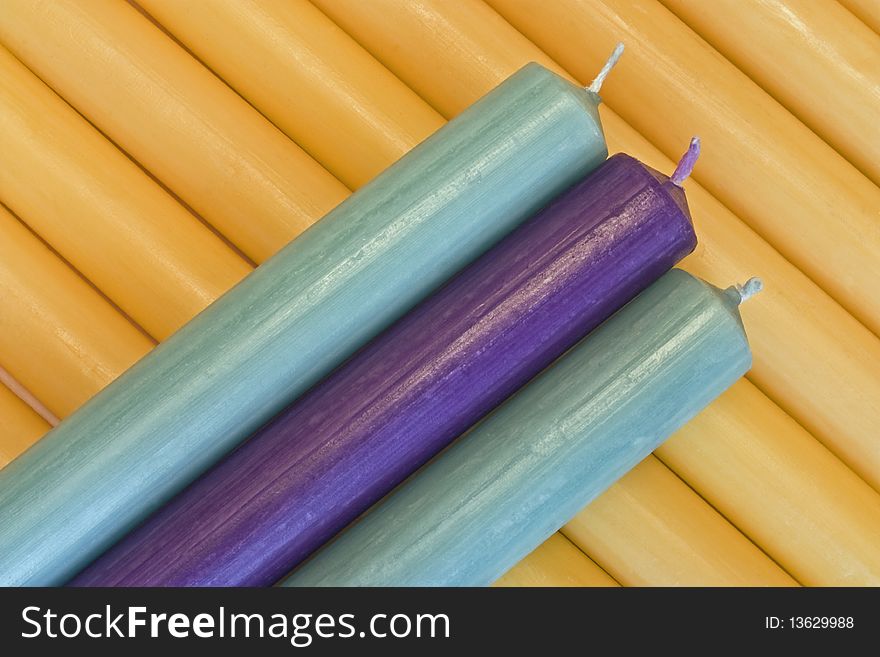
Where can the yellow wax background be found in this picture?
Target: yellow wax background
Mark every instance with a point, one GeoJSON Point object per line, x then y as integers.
{"type": "Point", "coordinates": [784, 490]}
{"type": "Point", "coordinates": [20, 426]}
{"type": "Point", "coordinates": [556, 562]}
{"type": "Point", "coordinates": [173, 116]}
{"type": "Point", "coordinates": [649, 529]}
{"type": "Point", "coordinates": [58, 336]}
{"type": "Point", "coordinates": [867, 10]}
{"type": "Point", "coordinates": [836, 397]}
{"type": "Point", "coordinates": [304, 73]}
{"type": "Point", "coordinates": [767, 167]}
{"type": "Point", "coordinates": [156, 261]}
{"type": "Point", "coordinates": [817, 59]}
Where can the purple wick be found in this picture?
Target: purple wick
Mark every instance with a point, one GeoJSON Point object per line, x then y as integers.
{"type": "Point", "coordinates": [687, 162]}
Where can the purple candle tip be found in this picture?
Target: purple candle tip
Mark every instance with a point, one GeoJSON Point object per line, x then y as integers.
{"type": "Point", "coordinates": [687, 162]}
{"type": "Point", "coordinates": [596, 84]}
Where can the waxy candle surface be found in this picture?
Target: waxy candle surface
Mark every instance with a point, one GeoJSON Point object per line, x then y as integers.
{"type": "Point", "coordinates": [93, 205]}
{"type": "Point", "coordinates": [41, 293]}
{"type": "Point", "coordinates": [20, 425]}
{"type": "Point", "coordinates": [175, 117]}
{"type": "Point", "coordinates": [348, 442]}
{"type": "Point", "coordinates": [519, 476]}
{"type": "Point", "coordinates": [285, 326]}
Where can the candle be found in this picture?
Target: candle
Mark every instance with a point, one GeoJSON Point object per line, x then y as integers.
{"type": "Point", "coordinates": [773, 171]}
{"type": "Point", "coordinates": [556, 562]}
{"type": "Point", "coordinates": [833, 396]}
{"type": "Point", "coordinates": [175, 117]}
{"type": "Point", "coordinates": [290, 322]}
{"type": "Point", "coordinates": [62, 366]}
{"type": "Point", "coordinates": [520, 475]}
{"type": "Point", "coordinates": [96, 207]}
{"type": "Point", "coordinates": [815, 58]}
{"type": "Point", "coordinates": [339, 449]}
{"type": "Point", "coordinates": [305, 74]}
{"type": "Point", "coordinates": [867, 10]}
{"type": "Point", "coordinates": [20, 426]}
{"type": "Point", "coordinates": [684, 535]}
{"type": "Point", "coordinates": [830, 515]}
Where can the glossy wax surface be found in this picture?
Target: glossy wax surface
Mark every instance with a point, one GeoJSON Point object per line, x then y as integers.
{"type": "Point", "coordinates": [816, 58]}
{"type": "Point", "coordinates": [309, 77]}
{"type": "Point", "coordinates": [172, 115]}
{"type": "Point", "coordinates": [20, 425]}
{"type": "Point", "coordinates": [41, 293]}
{"type": "Point", "coordinates": [285, 326]}
{"type": "Point", "coordinates": [374, 421]}
{"type": "Point", "coordinates": [515, 479]}
{"type": "Point", "coordinates": [108, 218]}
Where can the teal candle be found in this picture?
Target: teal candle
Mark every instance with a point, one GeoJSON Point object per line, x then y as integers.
{"type": "Point", "coordinates": [264, 343]}
{"type": "Point", "coordinates": [503, 489]}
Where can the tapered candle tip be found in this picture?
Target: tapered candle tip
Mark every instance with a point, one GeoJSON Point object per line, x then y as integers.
{"type": "Point", "coordinates": [749, 289]}
{"type": "Point", "coordinates": [687, 162]}
{"type": "Point", "coordinates": [596, 84]}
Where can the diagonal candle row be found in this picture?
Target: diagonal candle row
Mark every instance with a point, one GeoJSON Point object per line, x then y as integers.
{"type": "Point", "coordinates": [285, 326]}
{"type": "Point", "coordinates": [351, 439]}
{"type": "Point", "coordinates": [503, 489]}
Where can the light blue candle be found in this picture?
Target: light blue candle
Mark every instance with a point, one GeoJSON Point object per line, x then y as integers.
{"type": "Point", "coordinates": [504, 488]}
{"type": "Point", "coordinates": [227, 372]}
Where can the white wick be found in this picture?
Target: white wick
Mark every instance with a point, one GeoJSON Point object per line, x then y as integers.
{"type": "Point", "coordinates": [749, 289]}
{"type": "Point", "coordinates": [596, 84]}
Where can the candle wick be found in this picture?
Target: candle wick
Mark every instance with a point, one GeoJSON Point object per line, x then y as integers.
{"type": "Point", "coordinates": [596, 84]}
{"type": "Point", "coordinates": [749, 289]}
{"type": "Point", "coordinates": [687, 162]}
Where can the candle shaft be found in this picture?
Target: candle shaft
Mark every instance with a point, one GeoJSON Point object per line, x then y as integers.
{"type": "Point", "coordinates": [503, 489]}
{"type": "Point", "coordinates": [349, 441]}
{"type": "Point", "coordinates": [20, 426]}
{"type": "Point", "coordinates": [830, 515]}
{"type": "Point", "coordinates": [175, 117]}
{"type": "Point", "coordinates": [867, 11]}
{"type": "Point", "coordinates": [150, 256]}
{"type": "Point", "coordinates": [63, 367]}
{"type": "Point", "coordinates": [290, 322]}
{"type": "Point", "coordinates": [651, 504]}
{"type": "Point", "coordinates": [818, 60]}
{"type": "Point", "coordinates": [556, 562]}
{"type": "Point", "coordinates": [305, 74]}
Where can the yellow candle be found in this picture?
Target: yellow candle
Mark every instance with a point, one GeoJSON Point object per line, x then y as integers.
{"type": "Point", "coordinates": [20, 426]}
{"type": "Point", "coordinates": [834, 397]}
{"type": "Point", "coordinates": [304, 73]}
{"type": "Point", "coordinates": [58, 336]}
{"type": "Point", "coordinates": [556, 562]}
{"type": "Point", "coordinates": [866, 10]}
{"type": "Point", "coordinates": [174, 117]}
{"type": "Point", "coordinates": [649, 529]}
{"type": "Point", "coordinates": [75, 189]}
{"type": "Point", "coordinates": [816, 58]}
{"type": "Point", "coordinates": [769, 168]}
{"type": "Point", "coordinates": [817, 519]}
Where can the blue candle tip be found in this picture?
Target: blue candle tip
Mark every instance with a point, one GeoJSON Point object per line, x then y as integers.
{"type": "Point", "coordinates": [750, 288]}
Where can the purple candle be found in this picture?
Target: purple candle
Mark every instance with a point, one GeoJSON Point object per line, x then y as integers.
{"type": "Point", "coordinates": [405, 396]}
